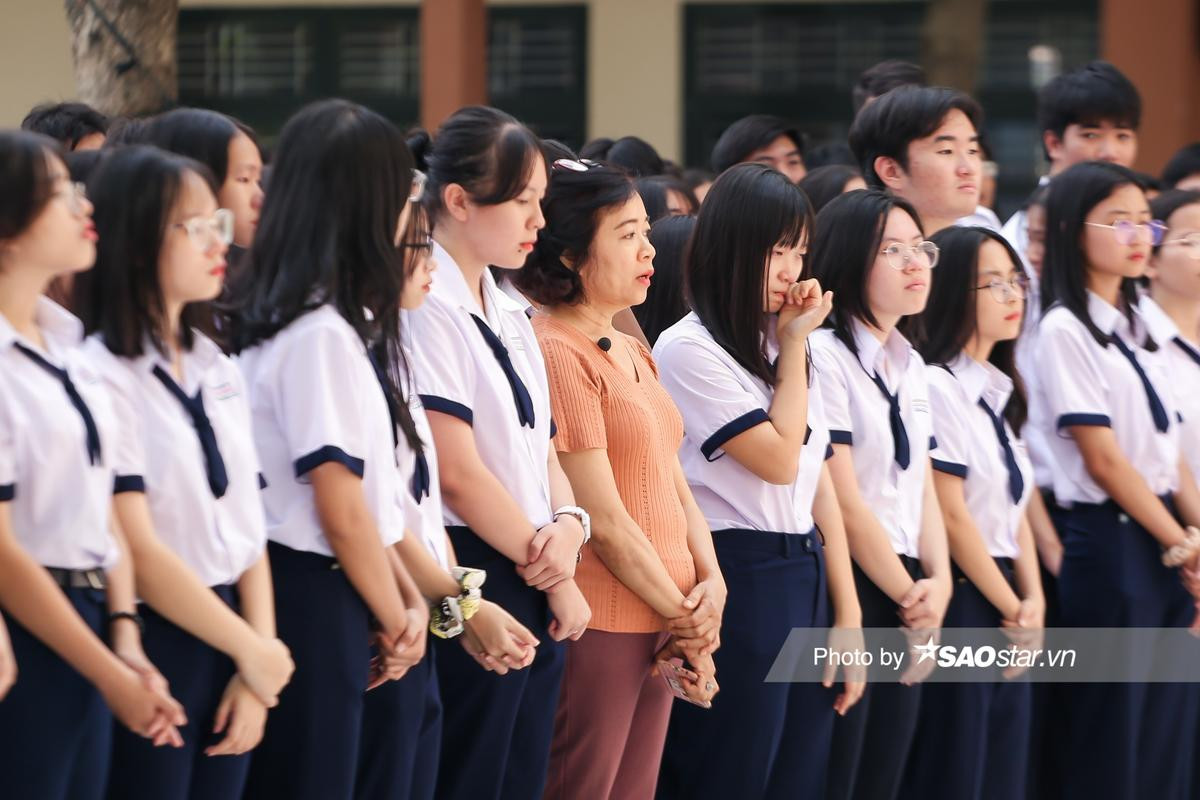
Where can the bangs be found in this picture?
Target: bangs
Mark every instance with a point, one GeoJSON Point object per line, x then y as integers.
{"type": "Point", "coordinates": [515, 153]}
{"type": "Point", "coordinates": [793, 224]}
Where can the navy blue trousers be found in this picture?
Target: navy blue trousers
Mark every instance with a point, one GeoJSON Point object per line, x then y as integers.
{"type": "Point", "coordinates": [311, 745]}
{"type": "Point", "coordinates": [972, 739]}
{"type": "Point", "coordinates": [1129, 740]}
{"type": "Point", "coordinates": [198, 675]}
{"type": "Point", "coordinates": [871, 742]}
{"type": "Point", "coordinates": [497, 729]}
{"type": "Point", "coordinates": [55, 730]}
{"type": "Point", "coordinates": [1047, 728]}
{"type": "Point", "coordinates": [759, 740]}
{"type": "Point", "coordinates": [398, 756]}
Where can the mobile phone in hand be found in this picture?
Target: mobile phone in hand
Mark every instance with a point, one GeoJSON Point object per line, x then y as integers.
{"type": "Point", "coordinates": [671, 674]}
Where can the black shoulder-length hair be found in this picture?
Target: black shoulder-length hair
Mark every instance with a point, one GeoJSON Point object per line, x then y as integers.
{"type": "Point", "coordinates": [327, 234]}
{"type": "Point", "coordinates": [750, 210]}
{"type": "Point", "coordinates": [199, 134]}
{"type": "Point", "coordinates": [664, 305]}
{"type": "Point", "coordinates": [134, 189]}
{"type": "Point", "coordinates": [849, 235]}
{"type": "Point", "coordinates": [25, 183]}
{"type": "Point", "coordinates": [572, 207]}
{"type": "Point", "coordinates": [482, 149]}
{"type": "Point", "coordinates": [949, 319]}
{"type": "Point", "coordinates": [1073, 194]}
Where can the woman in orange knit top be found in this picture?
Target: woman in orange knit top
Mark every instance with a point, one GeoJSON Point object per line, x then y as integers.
{"type": "Point", "coordinates": [650, 575]}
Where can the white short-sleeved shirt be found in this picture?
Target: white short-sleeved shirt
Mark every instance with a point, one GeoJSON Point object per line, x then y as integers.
{"type": "Point", "coordinates": [719, 400]}
{"type": "Point", "coordinates": [1038, 423]}
{"type": "Point", "coordinates": [422, 510]}
{"type": "Point", "coordinates": [1085, 383]}
{"type": "Point", "coordinates": [969, 447]}
{"type": "Point", "coordinates": [457, 373]}
{"type": "Point", "coordinates": [1183, 361]}
{"type": "Point", "coordinates": [314, 399]}
{"type": "Point", "coordinates": [59, 501]}
{"type": "Point", "coordinates": [858, 415]}
{"type": "Point", "coordinates": [160, 453]}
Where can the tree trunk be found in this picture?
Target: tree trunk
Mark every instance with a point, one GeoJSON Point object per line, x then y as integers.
{"type": "Point", "coordinates": [124, 54]}
{"type": "Point", "coordinates": [952, 41]}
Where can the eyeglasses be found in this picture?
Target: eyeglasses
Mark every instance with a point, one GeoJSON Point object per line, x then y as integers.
{"type": "Point", "coordinates": [75, 196]}
{"type": "Point", "coordinates": [418, 186]}
{"type": "Point", "coordinates": [1191, 243]}
{"type": "Point", "coordinates": [1125, 231]}
{"type": "Point", "coordinates": [899, 255]}
{"type": "Point", "coordinates": [1017, 286]}
{"type": "Point", "coordinates": [582, 165]}
{"type": "Point", "coordinates": [206, 231]}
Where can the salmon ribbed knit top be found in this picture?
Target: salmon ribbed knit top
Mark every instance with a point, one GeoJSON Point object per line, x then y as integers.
{"type": "Point", "coordinates": [597, 406]}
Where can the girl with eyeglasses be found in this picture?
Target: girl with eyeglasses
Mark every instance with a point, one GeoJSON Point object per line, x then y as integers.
{"type": "Point", "coordinates": [509, 508]}
{"type": "Point", "coordinates": [187, 486]}
{"type": "Point", "coordinates": [972, 739]}
{"type": "Point", "coordinates": [870, 251]}
{"type": "Point", "coordinates": [317, 330]}
{"type": "Point", "coordinates": [64, 581]}
{"type": "Point", "coordinates": [1130, 548]}
{"type": "Point", "coordinates": [1171, 309]}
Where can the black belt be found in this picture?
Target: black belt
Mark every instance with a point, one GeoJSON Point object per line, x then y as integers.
{"type": "Point", "coordinates": [783, 544]}
{"type": "Point", "coordinates": [79, 578]}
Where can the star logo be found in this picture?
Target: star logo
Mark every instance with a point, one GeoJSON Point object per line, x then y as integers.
{"type": "Point", "coordinates": [927, 650]}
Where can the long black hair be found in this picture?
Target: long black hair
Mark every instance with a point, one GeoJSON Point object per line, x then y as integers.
{"type": "Point", "coordinates": [327, 234]}
{"type": "Point", "coordinates": [1073, 194]}
{"type": "Point", "coordinates": [134, 189]}
{"type": "Point", "coordinates": [750, 210]}
{"type": "Point", "coordinates": [482, 149]}
{"type": "Point", "coordinates": [664, 305]}
{"type": "Point", "coordinates": [572, 207]}
{"type": "Point", "coordinates": [849, 235]}
{"type": "Point", "coordinates": [949, 319]}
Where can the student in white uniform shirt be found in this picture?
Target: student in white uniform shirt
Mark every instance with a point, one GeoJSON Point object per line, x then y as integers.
{"type": "Point", "coordinates": [187, 475]}
{"type": "Point", "coordinates": [1130, 551]}
{"type": "Point", "coordinates": [973, 738]}
{"type": "Point", "coordinates": [1171, 312]}
{"type": "Point", "coordinates": [1171, 309]}
{"type": "Point", "coordinates": [755, 444]}
{"type": "Point", "coordinates": [870, 251]}
{"type": "Point", "coordinates": [317, 331]}
{"type": "Point", "coordinates": [401, 748]}
{"type": "Point", "coordinates": [508, 506]}
{"type": "Point", "coordinates": [57, 548]}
